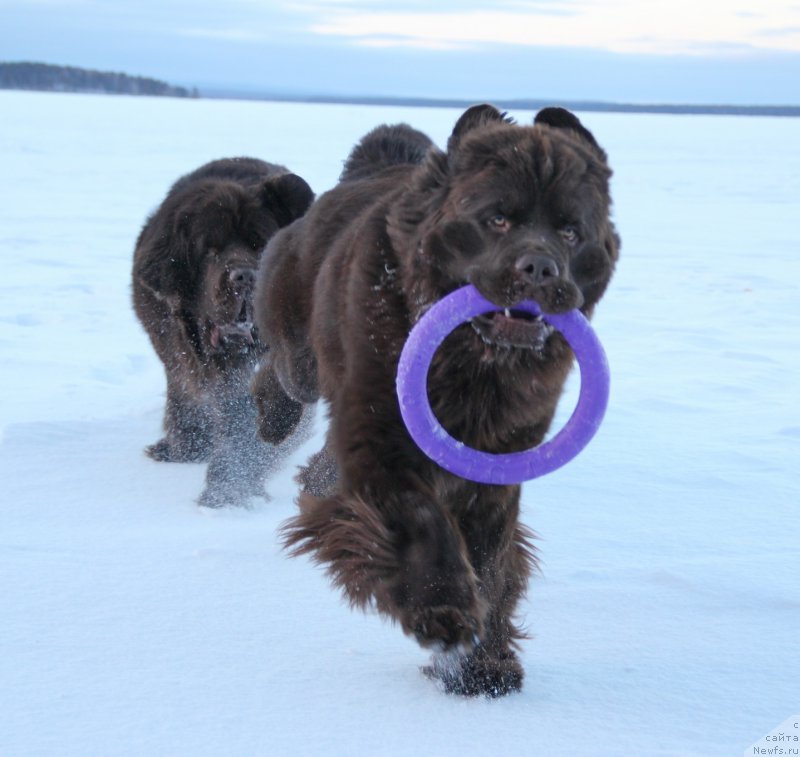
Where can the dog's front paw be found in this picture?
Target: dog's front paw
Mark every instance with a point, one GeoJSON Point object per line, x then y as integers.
{"type": "Point", "coordinates": [476, 674]}
{"type": "Point", "coordinates": [215, 497]}
{"type": "Point", "coordinates": [443, 627]}
{"type": "Point", "coordinates": [165, 451]}
{"type": "Point", "coordinates": [228, 488]}
{"type": "Point", "coordinates": [161, 451]}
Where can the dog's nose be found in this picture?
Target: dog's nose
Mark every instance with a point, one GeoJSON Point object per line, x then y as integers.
{"type": "Point", "coordinates": [243, 277]}
{"type": "Point", "coordinates": [537, 268]}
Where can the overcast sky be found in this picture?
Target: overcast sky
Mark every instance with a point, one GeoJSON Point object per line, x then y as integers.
{"type": "Point", "coordinates": [676, 51]}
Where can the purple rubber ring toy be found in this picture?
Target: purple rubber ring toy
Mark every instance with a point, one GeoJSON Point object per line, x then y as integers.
{"type": "Point", "coordinates": [486, 467]}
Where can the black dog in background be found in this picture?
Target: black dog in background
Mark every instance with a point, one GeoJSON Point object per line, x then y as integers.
{"type": "Point", "coordinates": [194, 271]}
{"type": "Point", "coordinates": [521, 212]}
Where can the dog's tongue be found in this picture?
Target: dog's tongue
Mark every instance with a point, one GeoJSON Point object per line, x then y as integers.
{"type": "Point", "coordinates": [243, 331]}
{"type": "Point", "coordinates": [520, 332]}
{"type": "Point", "coordinates": [507, 329]}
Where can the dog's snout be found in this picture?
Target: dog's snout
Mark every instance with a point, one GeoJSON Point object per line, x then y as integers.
{"type": "Point", "coordinates": [537, 268]}
{"type": "Point", "coordinates": [243, 277]}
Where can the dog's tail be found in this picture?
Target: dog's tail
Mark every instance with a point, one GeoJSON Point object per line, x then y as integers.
{"type": "Point", "coordinates": [385, 146]}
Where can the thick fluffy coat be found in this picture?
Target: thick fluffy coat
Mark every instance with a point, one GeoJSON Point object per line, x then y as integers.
{"type": "Point", "coordinates": [521, 212]}
{"type": "Point", "coordinates": [194, 270]}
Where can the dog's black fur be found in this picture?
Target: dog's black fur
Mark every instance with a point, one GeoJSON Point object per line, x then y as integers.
{"type": "Point", "coordinates": [521, 212]}
{"type": "Point", "coordinates": [194, 270]}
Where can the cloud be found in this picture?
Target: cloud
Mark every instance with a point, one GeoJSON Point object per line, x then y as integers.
{"type": "Point", "coordinates": [658, 27]}
{"type": "Point", "coordinates": [786, 32]}
{"type": "Point", "coordinates": [387, 41]}
{"type": "Point", "coordinates": [225, 35]}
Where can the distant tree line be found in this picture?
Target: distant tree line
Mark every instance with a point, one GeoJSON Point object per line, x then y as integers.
{"type": "Point", "coordinates": [42, 76]}
{"type": "Point", "coordinates": [45, 77]}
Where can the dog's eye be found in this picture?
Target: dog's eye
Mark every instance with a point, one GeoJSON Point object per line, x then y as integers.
{"type": "Point", "coordinates": [569, 234]}
{"type": "Point", "coordinates": [499, 222]}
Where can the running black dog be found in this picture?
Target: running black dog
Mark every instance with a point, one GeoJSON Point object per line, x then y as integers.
{"type": "Point", "coordinates": [521, 212]}
{"type": "Point", "coordinates": [194, 271]}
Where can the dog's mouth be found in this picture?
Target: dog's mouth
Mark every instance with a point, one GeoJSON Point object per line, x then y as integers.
{"type": "Point", "coordinates": [513, 328]}
{"type": "Point", "coordinates": [238, 332]}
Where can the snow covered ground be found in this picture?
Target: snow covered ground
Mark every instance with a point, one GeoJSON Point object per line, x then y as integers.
{"type": "Point", "coordinates": [667, 617]}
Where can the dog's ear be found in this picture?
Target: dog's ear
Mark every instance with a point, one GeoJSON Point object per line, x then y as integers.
{"type": "Point", "coordinates": [165, 269]}
{"type": "Point", "coordinates": [165, 255]}
{"type": "Point", "coordinates": [593, 267]}
{"type": "Point", "coordinates": [163, 279]}
{"type": "Point", "coordinates": [561, 118]}
{"type": "Point", "coordinates": [612, 243]}
{"type": "Point", "coordinates": [472, 118]}
{"type": "Point", "coordinates": [287, 197]}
